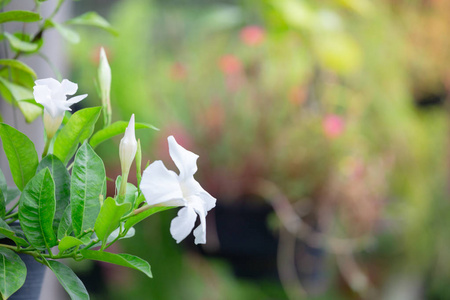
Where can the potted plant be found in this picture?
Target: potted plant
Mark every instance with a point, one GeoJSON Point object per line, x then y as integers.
{"type": "Point", "coordinates": [59, 208]}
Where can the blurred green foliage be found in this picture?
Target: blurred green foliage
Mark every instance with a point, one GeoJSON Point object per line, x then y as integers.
{"type": "Point", "coordinates": [323, 98]}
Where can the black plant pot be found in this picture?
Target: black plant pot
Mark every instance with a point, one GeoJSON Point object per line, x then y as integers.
{"type": "Point", "coordinates": [33, 283]}
{"type": "Point", "coordinates": [245, 239]}
{"type": "Point", "coordinates": [31, 289]}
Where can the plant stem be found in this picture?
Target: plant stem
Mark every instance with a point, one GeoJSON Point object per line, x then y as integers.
{"type": "Point", "coordinates": [12, 208]}
{"type": "Point", "coordinates": [13, 215]}
{"type": "Point", "coordinates": [47, 145]}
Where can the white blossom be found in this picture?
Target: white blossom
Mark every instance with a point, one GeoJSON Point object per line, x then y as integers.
{"type": "Point", "coordinates": [164, 187]}
{"type": "Point", "coordinates": [53, 96]}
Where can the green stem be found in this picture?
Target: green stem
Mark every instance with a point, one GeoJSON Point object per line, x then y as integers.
{"type": "Point", "coordinates": [47, 145]}
{"type": "Point", "coordinates": [136, 212]}
{"type": "Point", "coordinates": [123, 188]}
{"type": "Point", "coordinates": [13, 215]}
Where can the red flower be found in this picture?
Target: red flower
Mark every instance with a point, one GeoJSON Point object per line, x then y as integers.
{"type": "Point", "coordinates": [252, 35]}
{"type": "Point", "coordinates": [333, 126]}
{"type": "Point", "coordinates": [230, 64]}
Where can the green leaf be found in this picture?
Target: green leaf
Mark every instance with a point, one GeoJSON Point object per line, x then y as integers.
{"type": "Point", "coordinates": [79, 128]}
{"type": "Point", "coordinates": [18, 77]}
{"type": "Point", "coordinates": [70, 282]}
{"type": "Point", "coordinates": [67, 33]}
{"type": "Point", "coordinates": [18, 92]}
{"type": "Point", "coordinates": [87, 184]}
{"type": "Point", "coordinates": [37, 210]}
{"type": "Point", "coordinates": [16, 64]}
{"type": "Point", "coordinates": [145, 214]}
{"type": "Point", "coordinates": [93, 19]}
{"type": "Point", "coordinates": [18, 45]}
{"type": "Point", "coordinates": [69, 242]}
{"type": "Point", "coordinates": [125, 260]}
{"type": "Point", "coordinates": [21, 154]}
{"type": "Point", "coordinates": [12, 272]}
{"type": "Point", "coordinates": [19, 16]}
{"type": "Point", "coordinates": [62, 185]}
{"type": "Point", "coordinates": [12, 194]}
{"type": "Point", "coordinates": [23, 97]}
{"type": "Point", "coordinates": [65, 226]}
{"type": "Point", "coordinates": [139, 200]}
{"type": "Point", "coordinates": [10, 234]}
{"type": "Point", "coordinates": [131, 193]}
{"type": "Point", "coordinates": [109, 218]}
{"type": "Point", "coordinates": [2, 204]}
{"type": "Point", "coordinates": [29, 110]}
{"type": "Point", "coordinates": [3, 185]}
{"type": "Point", "coordinates": [114, 129]}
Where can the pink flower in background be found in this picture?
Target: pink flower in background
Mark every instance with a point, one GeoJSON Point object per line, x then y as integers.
{"type": "Point", "coordinates": [230, 64]}
{"type": "Point", "coordinates": [333, 126]}
{"type": "Point", "coordinates": [178, 71]}
{"type": "Point", "coordinates": [252, 35]}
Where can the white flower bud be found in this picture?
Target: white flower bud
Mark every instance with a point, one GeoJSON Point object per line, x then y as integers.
{"type": "Point", "coordinates": [128, 147]}
{"type": "Point", "coordinates": [104, 76]}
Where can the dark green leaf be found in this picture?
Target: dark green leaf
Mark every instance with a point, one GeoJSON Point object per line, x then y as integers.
{"type": "Point", "coordinates": [65, 226]}
{"type": "Point", "coordinates": [62, 185]}
{"type": "Point", "coordinates": [16, 64]}
{"type": "Point", "coordinates": [70, 282]}
{"type": "Point", "coordinates": [114, 129]}
{"type": "Point", "coordinates": [93, 19]}
{"type": "Point", "coordinates": [87, 184]}
{"type": "Point", "coordinates": [37, 210]}
{"type": "Point", "coordinates": [12, 272]}
{"type": "Point", "coordinates": [125, 260]}
{"type": "Point", "coordinates": [78, 129]}
{"type": "Point", "coordinates": [21, 154]}
{"type": "Point", "coordinates": [3, 185]}
{"type": "Point", "coordinates": [109, 218]}
{"type": "Point", "coordinates": [145, 214]}
{"type": "Point", "coordinates": [2, 204]}
{"type": "Point", "coordinates": [7, 231]}
{"type": "Point", "coordinates": [19, 16]}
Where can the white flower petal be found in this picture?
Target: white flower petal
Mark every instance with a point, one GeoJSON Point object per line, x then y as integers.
{"type": "Point", "coordinates": [186, 161]}
{"type": "Point", "coordinates": [209, 202]}
{"type": "Point", "coordinates": [42, 94]}
{"type": "Point", "coordinates": [51, 83]}
{"type": "Point", "coordinates": [192, 188]}
{"type": "Point", "coordinates": [68, 87]}
{"type": "Point", "coordinates": [159, 184]}
{"type": "Point", "coordinates": [74, 100]}
{"type": "Point", "coordinates": [183, 223]}
{"type": "Point", "coordinates": [200, 231]}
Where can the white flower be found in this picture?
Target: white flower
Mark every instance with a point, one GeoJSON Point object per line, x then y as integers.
{"type": "Point", "coordinates": [161, 186]}
{"type": "Point", "coordinates": [128, 147]}
{"type": "Point", "coordinates": [104, 75]}
{"type": "Point", "coordinates": [53, 96]}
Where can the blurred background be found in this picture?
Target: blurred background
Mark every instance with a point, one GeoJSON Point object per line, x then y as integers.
{"type": "Point", "coordinates": [322, 130]}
